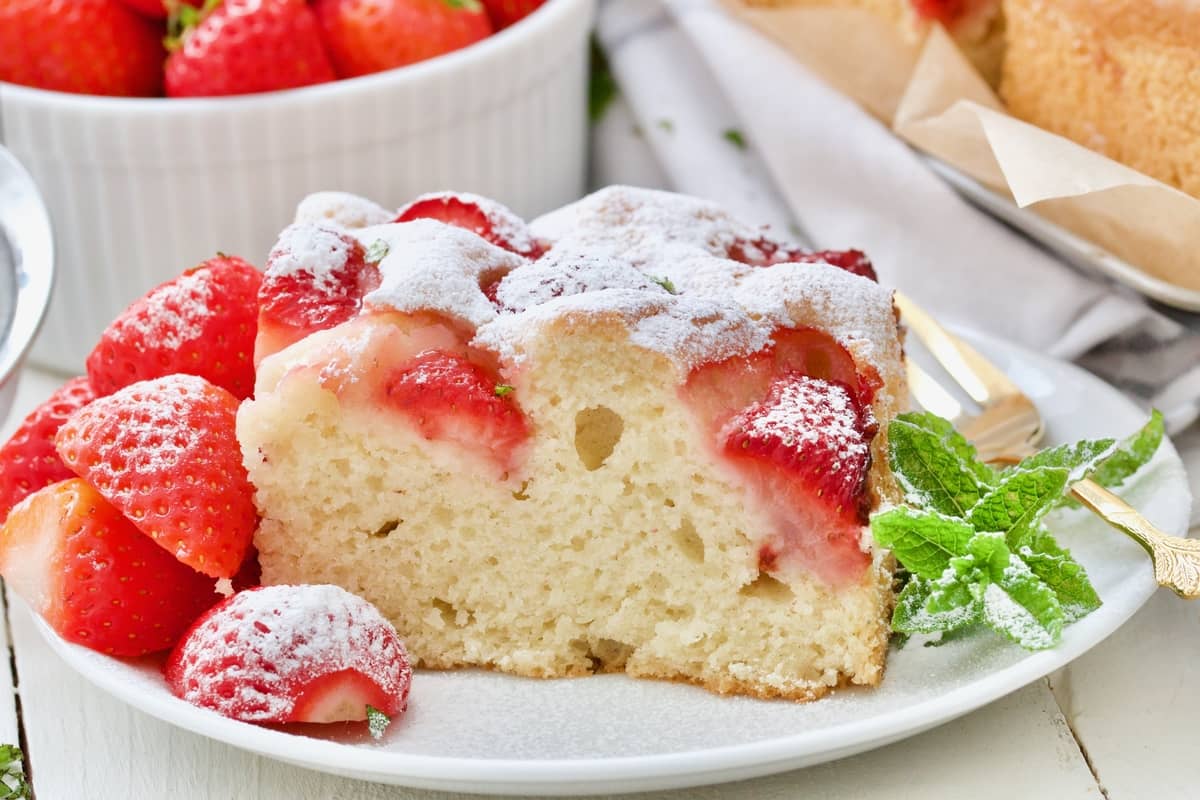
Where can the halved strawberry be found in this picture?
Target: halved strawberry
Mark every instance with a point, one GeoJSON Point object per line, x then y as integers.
{"type": "Point", "coordinates": [764, 252]}
{"type": "Point", "coordinates": [487, 218]}
{"type": "Point", "coordinates": [946, 12]}
{"type": "Point", "coordinates": [719, 390]}
{"type": "Point", "coordinates": [804, 451]}
{"type": "Point", "coordinates": [94, 577]}
{"type": "Point", "coordinates": [201, 323]}
{"type": "Point", "coordinates": [448, 398]}
{"type": "Point", "coordinates": [316, 278]}
{"type": "Point", "coordinates": [28, 460]}
{"type": "Point", "coordinates": [292, 654]}
{"type": "Point", "coordinates": [165, 453]}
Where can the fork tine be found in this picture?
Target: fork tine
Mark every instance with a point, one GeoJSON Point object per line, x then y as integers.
{"type": "Point", "coordinates": [978, 377]}
{"type": "Point", "coordinates": [930, 394]}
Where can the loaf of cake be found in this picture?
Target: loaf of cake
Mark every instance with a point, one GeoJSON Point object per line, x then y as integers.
{"type": "Point", "coordinates": [634, 435]}
{"type": "Point", "coordinates": [976, 25]}
{"type": "Point", "coordinates": [1121, 77]}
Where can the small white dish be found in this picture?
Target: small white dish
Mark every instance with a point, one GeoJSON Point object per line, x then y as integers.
{"type": "Point", "coordinates": [476, 731]}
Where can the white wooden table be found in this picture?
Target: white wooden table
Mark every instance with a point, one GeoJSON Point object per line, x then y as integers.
{"type": "Point", "coordinates": [1122, 722]}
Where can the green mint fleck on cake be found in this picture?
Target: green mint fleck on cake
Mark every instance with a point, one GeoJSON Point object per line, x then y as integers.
{"type": "Point", "coordinates": [666, 283]}
{"type": "Point", "coordinates": [377, 251]}
{"type": "Point", "coordinates": [377, 722]}
{"type": "Point", "coordinates": [735, 138]}
{"type": "Point", "coordinates": [503, 390]}
{"type": "Point", "coordinates": [13, 785]}
{"type": "Point", "coordinates": [474, 6]}
{"type": "Point", "coordinates": [973, 539]}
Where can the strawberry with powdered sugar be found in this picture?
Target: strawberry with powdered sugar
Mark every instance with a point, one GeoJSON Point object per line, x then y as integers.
{"type": "Point", "coordinates": [292, 654]}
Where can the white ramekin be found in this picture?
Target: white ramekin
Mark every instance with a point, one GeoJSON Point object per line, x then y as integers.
{"type": "Point", "coordinates": [141, 189]}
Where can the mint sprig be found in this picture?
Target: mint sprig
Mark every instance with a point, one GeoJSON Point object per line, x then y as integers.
{"type": "Point", "coordinates": [973, 537]}
{"type": "Point", "coordinates": [377, 722]}
{"type": "Point", "coordinates": [13, 785]}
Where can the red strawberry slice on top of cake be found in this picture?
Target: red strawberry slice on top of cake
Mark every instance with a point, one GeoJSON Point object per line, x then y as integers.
{"type": "Point", "coordinates": [316, 278]}
{"type": "Point", "coordinates": [764, 252]}
{"type": "Point", "coordinates": [487, 218]}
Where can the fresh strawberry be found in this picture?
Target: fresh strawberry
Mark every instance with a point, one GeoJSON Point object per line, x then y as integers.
{"type": "Point", "coordinates": [28, 460]}
{"type": "Point", "coordinates": [487, 218]}
{"type": "Point", "coordinates": [764, 252]}
{"type": "Point", "coordinates": [804, 451]}
{"type": "Point", "coordinates": [82, 46]}
{"type": "Point", "coordinates": [247, 46]}
{"type": "Point", "coordinates": [316, 278]}
{"type": "Point", "coordinates": [505, 12]}
{"type": "Point", "coordinates": [365, 36]}
{"type": "Point", "coordinates": [94, 577]}
{"type": "Point", "coordinates": [718, 390]}
{"type": "Point", "coordinates": [282, 654]}
{"type": "Point", "coordinates": [165, 453]}
{"type": "Point", "coordinates": [448, 398]}
{"type": "Point", "coordinates": [201, 323]}
{"type": "Point", "coordinates": [158, 9]}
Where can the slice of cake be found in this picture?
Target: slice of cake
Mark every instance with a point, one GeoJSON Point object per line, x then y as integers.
{"type": "Point", "coordinates": [1121, 77]}
{"type": "Point", "coordinates": [976, 25]}
{"type": "Point", "coordinates": [636, 435]}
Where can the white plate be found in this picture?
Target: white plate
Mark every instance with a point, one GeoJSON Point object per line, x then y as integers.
{"type": "Point", "coordinates": [1078, 251]}
{"type": "Point", "coordinates": [484, 732]}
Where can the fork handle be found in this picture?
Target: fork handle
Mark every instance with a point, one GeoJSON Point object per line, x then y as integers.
{"type": "Point", "coordinates": [1176, 561]}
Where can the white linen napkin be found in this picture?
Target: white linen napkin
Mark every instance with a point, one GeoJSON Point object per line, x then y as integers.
{"type": "Point", "coordinates": [710, 107]}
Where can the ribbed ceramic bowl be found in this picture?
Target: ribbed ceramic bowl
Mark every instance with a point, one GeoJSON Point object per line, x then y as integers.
{"type": "Point", "coordinates": [140, 189]}
{"type": "Point", "coordinates": [26, 270]}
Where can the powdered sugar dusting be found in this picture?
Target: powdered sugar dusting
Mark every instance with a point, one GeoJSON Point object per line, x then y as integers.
{"type": "Point", "coordinates": [564, 271]}
{"type": "Point", "coordinates": [174, 312]}
{"type": "Point", "coordinates": [342, 208]}
{"type": "Point", "coordinates": [808, 411]}
{"type": "Point", "coordinates": [251, 656]}
{"type": "Point", "coordinates": [314, 248]}
{"type": "Point", "coordinates": [437, 267]}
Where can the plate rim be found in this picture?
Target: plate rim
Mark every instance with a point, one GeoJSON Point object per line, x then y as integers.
{"type": "Point", "coordinates": [629, 773]}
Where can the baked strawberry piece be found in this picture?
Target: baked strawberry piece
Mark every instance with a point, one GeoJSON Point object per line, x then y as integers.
{"type": "Point", "coordinates": [765, 252]}
{"type": "Point", "coordinates": [486, 218]}
{"type": "Point", "coordinates": [28, 460]}
{"type": "Point", "coordinates": [201, 323]}
{"type": "Point", "coordinates": [805, 451]}
{"type": "Point", "coordinates": [448, 398]}
{"type": "Point", "coordinates": [247, 46]}
{"type": "Point", "coordinates": [165, 453]}
{"type": "Point", "coordinates": [366, 36]}
{"type": "Point", "coordinates": [92, 575]}
{"type": "Point", "coordinates": [280, 654]}
{"type": "Point", "coordinates": [85, 46]}
{"type": "Point", "coordinates": [316, 278]}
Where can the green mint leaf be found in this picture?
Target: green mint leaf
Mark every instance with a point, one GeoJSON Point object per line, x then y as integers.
{"type": "Point", "coordinates": [1016, 602]}
{"type": "Point", "coordinates": [1065, 576]}
{"type": "Point", "coordinates": [1016, 504]}
{"type": "Point", "coordinates": [377, 722]}
{"type": "Point", "coordinates": [474, 6]}
{"type": "Point", "coordinates": [735, 138]}
{"type": "Point", "coordinates": [940, 606]}
{"type": "Point", "coordinates": [13, 785]}
{"type": "Point", "coordinates": [932, 475]}
{"type": "Point", "coordinates": [503, 390]}
{"type": "Point", "coordinates": [377, 251]}
{"type": "Point", "coordinates": [1080, 458]}
{"type": "Point", "coordinates": [953, 441]}
{"type": "Point", "coordinates": [1131, 454]}
{"type": "Point", "coordinates": [665, 283]}
{"type": "Point", "coordinates": [602, 86]}
{"type": "Point", "coordinates": [923, 541]}
{"type": "Point", "coordinates": [666, 125]}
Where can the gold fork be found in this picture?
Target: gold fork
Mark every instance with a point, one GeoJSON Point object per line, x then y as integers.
{"type": "Point", "coordinates": [1008, 427]}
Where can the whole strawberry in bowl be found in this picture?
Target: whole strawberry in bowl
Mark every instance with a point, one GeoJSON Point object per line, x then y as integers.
{"type": "Point", "coordinates": [236, 108]}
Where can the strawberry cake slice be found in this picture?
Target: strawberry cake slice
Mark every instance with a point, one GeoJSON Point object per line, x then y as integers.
{"type": "Point", "coordinates": [635, 435]}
